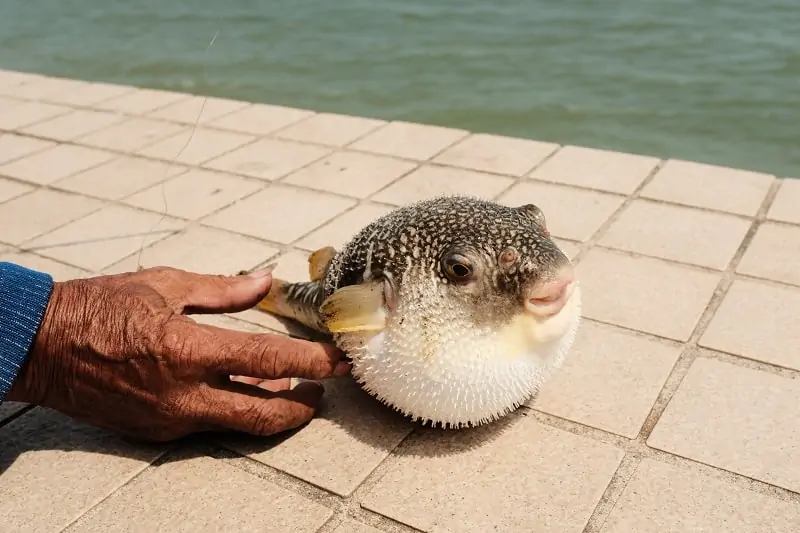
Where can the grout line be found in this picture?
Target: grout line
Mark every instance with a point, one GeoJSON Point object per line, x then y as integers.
{"type": "Point", "coordinates": [27, 408]}
{"type": "Point", "coordinates": [430, 162]}
{"type": "Point", "coordinates": [595, 238]}
{"type": "Point", "coordinates": [169, 451]}
{"type": "Point", "coordinates": [342, 506]}
{"type": "Point", "coordinates": [641, 451]}
{"type": "Point", "coordinates": [522, 178]}
{"type": "Point", "coordinates": [614, 490]}
{"type": "Point", "coordinates": [689, 354]}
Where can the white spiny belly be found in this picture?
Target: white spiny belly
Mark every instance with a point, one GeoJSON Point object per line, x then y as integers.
{"type": "Point", "coordinates": [435, 367]}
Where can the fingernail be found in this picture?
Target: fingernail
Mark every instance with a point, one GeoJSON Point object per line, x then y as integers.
{"type": "Point", "coordinates": [342, 369]}
{"type": "Point", "coordinates": [263, 272]}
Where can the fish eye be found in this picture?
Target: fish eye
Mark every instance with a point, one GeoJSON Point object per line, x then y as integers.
{"type": "Point", "coordinates": [458, 268]}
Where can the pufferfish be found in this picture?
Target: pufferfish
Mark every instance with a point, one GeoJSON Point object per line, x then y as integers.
{"type": "Point", "coordinates": [452, 310]}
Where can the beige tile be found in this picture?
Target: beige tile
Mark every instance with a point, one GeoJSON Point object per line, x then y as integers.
{"type": "Point", "coordinates": [290, 266]}
{"type": "Point", "coordinates": [59, 271]}
{"type": "Point", "coordinates": [19, 116]}
{"type": "Point", "coordinates": [530, 477]}
{"type": "Point", "coordinates": [341, 229]}
{"type": "Point", "coordinates": [41, 211]}
{"type": "Point", "coordinates": [8, 409]}
{"type": "Point", "coordinates": [358, 431]}
{"type": "Point", "coordinates": [119, 177]}
{"type": "Point", "coordinates": [493, 153]}
{"type": "Point", "coordinates": [214, 497]}
{"type": "Point", "coordinates": [666, 499]}
{"type": "Point", "coordinates": [268, 159]}
{"type": "Point", "coordinates": [76, 124]}
{"type": "Point", "coordinates": [427, 182]}
{"type": "Point", "coordinates": [11, 189]}
{"type": "Point", "coordinates": [679, 233]}
{"type": "Point", "coordinates": [774, 253]}
{"type": "Point", "coordinates": [53, 164]}
{"type": "Point", "coordinates": [260, 119]}
{"type": "Point", "coordinates": [737, 419]}
{"type": "Point", "coordinates": [570, 248]}
{"type": "Point", "coordinates": [570, 213]}
{"type": "Point", "coordinates": [202, 250]}
{"type": "Point", "coordinates": [54, 469]}
{"type": "Point", "coordinates": [194, 194]}
{"type": "Point", "coordinates": [643, 293]}
{"type": "Point", "coordinates": [131, 135]}
{"type": "Point", "coordinates": [194, 146]}
{"type": "Point", "coordinates": [758, 321]}
{"type": "Point", "coordinates": [15, 78]}
{"type": "Point", "coordinates": [330, 129]}
{"type": "Point", "coordinates": [713, 187]}
{"type": "Point", "coordinates": [197, 110]}
{"type": "Point", "coordinates": [141, 101]}
{"type": "Point", "coordinates": [351, 526]}
{"type": "Point", "coordinates": [596, 169]}
{"type": "Point", "coordinates": [609, 380]}
{"type": "Point", "coordinates": [89, 94]}
{"type": "Point", "coordinates": [280, 214]}
{"type": "Point", "coordinates": [104, 237]}
{"type": "Point", "coordinates": [412, 141]}
{"type": "Point", "coordinates": [41, 87]}
{"type": "Point", "coordinates": [351, 173]}
{"type": "Point", "coordinates": [6, 102]}
{"type": "Point", "coordinates": [785, 205]}
{"type": "Point", "coordinates": [15, 146]}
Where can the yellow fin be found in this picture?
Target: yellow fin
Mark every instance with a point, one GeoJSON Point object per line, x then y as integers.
{"type": "Point", "coordinates": [355, 308]}
{"type": "Point", "coordinates": [318, 261]}
{"type": "Point", "coordinates": [274, 302]}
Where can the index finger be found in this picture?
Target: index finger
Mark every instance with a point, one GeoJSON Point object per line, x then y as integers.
{"type": "Point", "coordinates": [264, 355]}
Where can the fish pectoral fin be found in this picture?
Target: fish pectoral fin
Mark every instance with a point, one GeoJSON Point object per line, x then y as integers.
{"type": "Point", "coordinates": [318, 262]}
{"type": "Point", "coordinates": [355, 308]}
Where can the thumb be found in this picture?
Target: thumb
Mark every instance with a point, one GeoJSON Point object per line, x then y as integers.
{"type": "Point", "coordinates": [226, 294]}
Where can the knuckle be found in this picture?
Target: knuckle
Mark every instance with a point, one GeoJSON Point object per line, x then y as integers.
{"type": "Point", "coordinates": [173, 343]}
{"type": "Point", "coordinates": [219, 282]}
{"type": "Point", "coordinates": [271, 419]}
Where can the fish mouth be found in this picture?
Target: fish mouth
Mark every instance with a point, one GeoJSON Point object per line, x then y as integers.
{"type": "Point", "coordinates": [548, 297]}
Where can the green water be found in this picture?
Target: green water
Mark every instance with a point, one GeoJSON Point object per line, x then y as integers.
{"type": "Point", "coordinates": [709, 80]}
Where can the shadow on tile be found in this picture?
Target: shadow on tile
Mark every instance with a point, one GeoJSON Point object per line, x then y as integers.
{"type": "Point", "coordinates": [437, 442]}
{"type": "Point", "coordinates": [347, 407]}
{"type": "Point", "coordinates": [46, 430]}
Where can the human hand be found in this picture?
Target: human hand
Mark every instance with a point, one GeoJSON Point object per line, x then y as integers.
{"type": "Point", "coordinates": [120, 353]}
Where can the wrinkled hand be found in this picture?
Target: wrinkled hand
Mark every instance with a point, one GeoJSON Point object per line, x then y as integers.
{"type": "Point", "coordinates": [119, 352]}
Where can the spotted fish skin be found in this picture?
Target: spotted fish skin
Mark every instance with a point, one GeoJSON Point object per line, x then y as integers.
{"type": "Point", "coordinates": [416, 236]}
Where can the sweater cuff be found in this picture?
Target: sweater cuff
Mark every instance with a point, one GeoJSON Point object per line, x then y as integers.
{"type": "Point", "coordinates": [24, 295]}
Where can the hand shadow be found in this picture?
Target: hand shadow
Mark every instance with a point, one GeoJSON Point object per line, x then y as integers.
{"type": "Point", "coordinates": [45, 435]}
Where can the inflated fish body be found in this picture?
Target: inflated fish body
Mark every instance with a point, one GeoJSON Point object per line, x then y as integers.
{"type": "Point", "coordinates": [453, 310]}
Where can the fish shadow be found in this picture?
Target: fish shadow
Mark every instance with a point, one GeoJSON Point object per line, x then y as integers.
{"type": "Point", "coordinates": [347, 410]}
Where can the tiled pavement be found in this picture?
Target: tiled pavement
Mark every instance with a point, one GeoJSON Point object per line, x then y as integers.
{"type": "Point", "coordinates": [676, 411]}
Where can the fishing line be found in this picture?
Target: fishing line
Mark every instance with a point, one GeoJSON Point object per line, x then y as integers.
{"type": "Point", "coordinates": [174, 159]}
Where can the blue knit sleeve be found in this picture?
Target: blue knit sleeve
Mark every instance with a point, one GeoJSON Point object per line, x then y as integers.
{"type": "Point", "coordinates": [24, 295]}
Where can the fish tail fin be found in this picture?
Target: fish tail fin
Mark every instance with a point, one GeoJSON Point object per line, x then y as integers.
{"type": "Point", "coordinates": [296, 301]}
